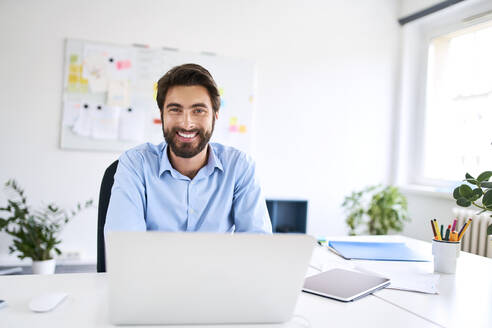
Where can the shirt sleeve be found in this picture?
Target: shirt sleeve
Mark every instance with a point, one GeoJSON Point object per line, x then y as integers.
{"type": "Point", "coordinates": [127, 205]}
{"type": "Point", "coordinates": [249, 206]}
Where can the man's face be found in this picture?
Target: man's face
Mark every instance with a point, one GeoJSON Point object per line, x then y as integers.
{"type": "Point", "coordinates": [187, 120]}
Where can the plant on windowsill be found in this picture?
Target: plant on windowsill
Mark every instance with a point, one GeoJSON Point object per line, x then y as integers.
{"type": "Point", "coordinates": [480, 197]}
{"type": "Point", "coordinates": [35, 232]}
{"type": "Point", "coordinates": [376, 210]}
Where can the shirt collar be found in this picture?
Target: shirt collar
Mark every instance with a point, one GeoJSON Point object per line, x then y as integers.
{"type": "Point", "coordinates": [213, 161]}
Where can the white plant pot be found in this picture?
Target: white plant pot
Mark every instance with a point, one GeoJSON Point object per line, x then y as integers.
{"type": "Point", "coordinates": [43, 267]}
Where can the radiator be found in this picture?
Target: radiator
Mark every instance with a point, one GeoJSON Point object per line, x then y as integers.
{"type": "Point", "coordinates": [475, 240]}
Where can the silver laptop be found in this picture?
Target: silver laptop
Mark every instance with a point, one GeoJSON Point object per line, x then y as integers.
{"type": "Point", "coordinates": [205, 278]}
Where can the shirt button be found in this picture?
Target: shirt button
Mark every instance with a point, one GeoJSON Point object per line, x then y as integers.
{"type": "Point", "coordinates": [192, 211]}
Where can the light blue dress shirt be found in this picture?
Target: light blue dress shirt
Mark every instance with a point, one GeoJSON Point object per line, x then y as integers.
{"type": "Point", "coordinates": [149, 194]}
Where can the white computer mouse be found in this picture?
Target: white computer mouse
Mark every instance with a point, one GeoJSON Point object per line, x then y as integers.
{"type": "Point", "coordinates": [47, 301]}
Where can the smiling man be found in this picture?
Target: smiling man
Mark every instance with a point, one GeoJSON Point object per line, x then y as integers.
{"type": "Point", "coordinates": [187, 183]}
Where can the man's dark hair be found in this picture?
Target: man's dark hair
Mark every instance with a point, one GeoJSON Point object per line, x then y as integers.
{"type": "Point", "coordinates": [188, 75]}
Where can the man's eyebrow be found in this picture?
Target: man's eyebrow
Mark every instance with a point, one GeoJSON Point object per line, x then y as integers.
{"type": "Point", "coordinates": [199, 105]}
{"type": "Point", "coordinates": [173, 105]}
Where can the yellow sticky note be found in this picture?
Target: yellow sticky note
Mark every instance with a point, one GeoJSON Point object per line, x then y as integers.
{"type": "Point", "coordinates": [73, 69]}
{"type": "Point", "coordinates": [73, 59]}
{"type": "Point", "coordinates": [242, 129]}
{"type": "Point", "coordinates": [233, 121]}
{"type": "Point", "coordinates": [221, 91]}
{"type": "Point", "coordinates": [251, 98]}
{"type": "Point", "coordinates": [72, 78]}
{"type": "Point", "coordinates": [155, 91]}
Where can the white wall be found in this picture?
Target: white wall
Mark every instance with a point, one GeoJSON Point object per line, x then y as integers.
{"type": "Point", "coordinates": [327, 75]}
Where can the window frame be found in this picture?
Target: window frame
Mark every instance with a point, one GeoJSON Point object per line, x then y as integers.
{"type": "Point", "coordinates": [416, 39]}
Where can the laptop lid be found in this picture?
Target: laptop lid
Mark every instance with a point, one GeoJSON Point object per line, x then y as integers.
{"type": "Point", "coordinates": [205, 278]}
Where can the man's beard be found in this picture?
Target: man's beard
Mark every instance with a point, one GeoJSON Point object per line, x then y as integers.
{"type": "Point", "coordinates": [187, 149]}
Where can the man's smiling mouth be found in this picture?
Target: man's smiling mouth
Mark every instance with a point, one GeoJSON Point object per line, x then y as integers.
{"type": "Point", "coordinates": [187, 135]}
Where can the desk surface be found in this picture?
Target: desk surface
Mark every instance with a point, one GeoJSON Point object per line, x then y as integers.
{"type": "Point", "coordinates": [465, 299]}
{"type": "Point", "coordinates": [87, 306]}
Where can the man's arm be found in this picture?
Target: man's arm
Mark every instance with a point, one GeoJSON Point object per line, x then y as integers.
{"type": "Point", "coordinates": [127, 206]}
{"type": "Point", "coordinates": [249, 206]}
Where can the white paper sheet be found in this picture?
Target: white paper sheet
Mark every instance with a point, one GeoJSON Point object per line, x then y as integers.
{"type": "Point", "coordinates": [417, 282]}
{"type": "Point", "coordinates": [105, 122]}
{"type": "Point", "coordinates": [132, 123]}
{"type": "Point", "coordinates": [118, 95]}
{"type": "Point", "coordinates": [71, 112]}
{"type": "Point", "coordinates": [83, 124]}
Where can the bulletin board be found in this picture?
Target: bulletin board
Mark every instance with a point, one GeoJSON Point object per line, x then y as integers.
{"type": "Point", "coordinates": [109, 95]}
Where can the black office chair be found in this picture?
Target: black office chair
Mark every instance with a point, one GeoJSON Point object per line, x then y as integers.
{"type": "Point", "coordinates": [104, 196]}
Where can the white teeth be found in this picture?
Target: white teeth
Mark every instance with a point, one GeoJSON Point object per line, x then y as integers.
{"type": "Point", "coordinates": [187, 135]}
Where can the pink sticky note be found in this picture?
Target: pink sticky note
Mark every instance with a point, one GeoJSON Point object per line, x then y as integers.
{"type": "Point", "coordinates": [123, 64]}
{"type": "Point", "coordinates": [233, 128]}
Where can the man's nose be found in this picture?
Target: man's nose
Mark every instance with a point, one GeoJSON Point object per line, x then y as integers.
{"type": "Point", "coordinates": [188, 122]}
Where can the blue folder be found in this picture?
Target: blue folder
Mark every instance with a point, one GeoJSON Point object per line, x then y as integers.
{"type": "Point", "coordinates": [355, 250]}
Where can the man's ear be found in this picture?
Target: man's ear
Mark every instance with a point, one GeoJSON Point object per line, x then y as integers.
{"type": "Point", "coordinates": [216, 115]}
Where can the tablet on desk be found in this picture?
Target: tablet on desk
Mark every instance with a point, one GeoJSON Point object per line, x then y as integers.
{"type": "Point", "coordinates": [344, 285]}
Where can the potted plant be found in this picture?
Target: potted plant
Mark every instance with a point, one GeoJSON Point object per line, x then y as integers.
{"type": "Point", "coordinates": [35, 232]}
{"type": "Point", "coordinates": [476, 192]}
{"type": "Point", "coordinates": [376, 210]}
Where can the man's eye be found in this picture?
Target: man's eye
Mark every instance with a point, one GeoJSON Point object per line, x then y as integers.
{"type": "Point", "coordinates": [199, 111]}
{"type": "Point", "coordinates": [175, 109]}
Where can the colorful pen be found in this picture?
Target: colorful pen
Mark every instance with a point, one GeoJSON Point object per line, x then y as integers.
{"type": "Point", "coordinates": [433, 229]}
{"type": "Point", "coordinates": [462, 232]}
{"type": "Point", "coordinates": [447, 233]}
{"type": "Point", "coordinates": [454, 225]}
{"type": "Point", "coordinates": [442, 232]}
{"type": "Point", "coordinates": [437, 230]}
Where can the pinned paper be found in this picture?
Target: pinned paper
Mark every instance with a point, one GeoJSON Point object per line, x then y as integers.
{"type": "Point", "coordinates": [233, 121]}
{"type": "Point", "coordinates": [233, 128]}
{"type": "Point", "coordinates": [155, 90]}
{"type": "Point", "coordinates": [74, 58]}
{"type": "Point", "coordinates": [242, 129]}
{"type": "Point", "coordinates": [221, 91]}
{"type": "Point", "coordinates": [251, 99]}
{"type": "Point", "coordinates": [118, 94]}
{"type": "Point", "coordinates": [83, 124]}
{"type": "Point", "coordinates": [94, 70]}
{"type": "Point", "coordinates": [123, 64]}
{"type": "Point", "coordinates": [75, 81]}
{"type": "Point", "coordinates": [71, 111]}
{"type": "Point", "coordinates": [105, 122]}
{"type": "Point", "coordinates": [132, 123]}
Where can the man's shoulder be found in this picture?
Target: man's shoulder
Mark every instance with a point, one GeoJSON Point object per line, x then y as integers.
{"type": "Point", "coordinates": [143, 152]}
{"type": "Point", "coordinates": [230, 156]}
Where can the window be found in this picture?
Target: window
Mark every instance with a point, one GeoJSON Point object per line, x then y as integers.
{"type": "Point", "coordinates": [457, 121]}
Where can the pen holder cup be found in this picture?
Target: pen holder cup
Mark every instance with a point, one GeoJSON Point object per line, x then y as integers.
{"type": "Point", "coordinates": [446, 254]}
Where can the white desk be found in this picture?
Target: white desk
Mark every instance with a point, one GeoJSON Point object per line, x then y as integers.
{"type": "Point", "coordinates": [87, 303]}
{"type": "Point", "coordinates": [464, 299]}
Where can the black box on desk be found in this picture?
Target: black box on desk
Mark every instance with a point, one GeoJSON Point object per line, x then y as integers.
{"type": "Point", "coordinates": [288, 215]}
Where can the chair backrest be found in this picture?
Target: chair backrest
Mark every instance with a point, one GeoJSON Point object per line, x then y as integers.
{"type": "Point", "coordinates": [104, 196]}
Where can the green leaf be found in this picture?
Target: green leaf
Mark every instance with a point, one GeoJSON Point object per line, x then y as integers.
{"type": "Point", "coordinates": [456, 193]}
{"type": "Point", "coordinates": [463, 202]}
{"type": "Point", "coordinates": [472, 181]}
{"type": "Point", "coordinates": [484, 176]}
{"type": "Point", "coordinates": [487, 199]}
{"type": "Point", "coordinates": [486, 184]}
{"type": "Point", "coordinates": [466, 191]}
{"type": "Point", "coordinates": [468, 176]}
{"type": "Point", "coordinates": [489, 230]}
{"type": "Point", "coordinates": [477, 193]}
